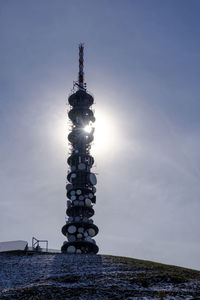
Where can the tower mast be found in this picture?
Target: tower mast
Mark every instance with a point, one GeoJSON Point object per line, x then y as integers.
{"type": "Point", "coordinates": [81, 73]}
{"type": "Point", "coordinates": [79, 228]}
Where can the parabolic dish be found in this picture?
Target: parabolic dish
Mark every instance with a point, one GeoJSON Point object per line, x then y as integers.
{"type": "Point", "coordinates": [88, 202]}
{"type": "Point", "coordinates": [71, 238]}
{"type": "Point", "coordinates": [69, 187]}
{"type": "Point", "coordinates": [71, 249]}
{"type": "Point", "coordinates": [78, 192]}
{"type": "Point", "coordinates": [81, 166]}
{"type": "Point", "coordinates": [92, 178]}
{"type": "Point", "coordinates": [90, 195]}
{"type": "Point", "coordinates": [94, 189]}
{"type": "Point", "coordinates": [71, 229]}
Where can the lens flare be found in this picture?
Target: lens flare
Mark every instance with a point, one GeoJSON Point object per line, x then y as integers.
{"type": "Point", "coordinates": [87, 128]}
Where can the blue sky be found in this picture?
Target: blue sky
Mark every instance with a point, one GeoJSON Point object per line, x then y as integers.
{"type": "Point", "coordinates": [142, 64]}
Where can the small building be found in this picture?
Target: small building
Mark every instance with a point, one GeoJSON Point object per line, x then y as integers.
{"type": "Point", "coordinates": [13, 246]}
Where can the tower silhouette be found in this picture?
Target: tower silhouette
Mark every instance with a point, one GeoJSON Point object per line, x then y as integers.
{"type": "Point", "coordinates": [79, 228]}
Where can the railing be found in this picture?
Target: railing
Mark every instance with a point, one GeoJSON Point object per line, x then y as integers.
{"type": "Point", "coordinates": [43, 250]}
{"type": "Point", "coordinates": [36, 244]}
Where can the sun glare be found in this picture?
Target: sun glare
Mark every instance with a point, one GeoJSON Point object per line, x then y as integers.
{"type": "Point", "coordinates": [105, 135]}
{"type": "Point", "coordinates": [88, 128]}
{"type": "Point", "coordinates": [106, 132]}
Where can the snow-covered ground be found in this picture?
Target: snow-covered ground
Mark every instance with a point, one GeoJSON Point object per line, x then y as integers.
{"type": "Point", "coordinates": [61, 276]}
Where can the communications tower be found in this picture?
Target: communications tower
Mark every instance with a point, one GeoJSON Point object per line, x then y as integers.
{"type": "Point", "coordinates": [79, 228]}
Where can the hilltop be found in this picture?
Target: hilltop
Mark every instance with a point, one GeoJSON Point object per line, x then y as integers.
{"type": "Point", "coordinates": [60, 276]}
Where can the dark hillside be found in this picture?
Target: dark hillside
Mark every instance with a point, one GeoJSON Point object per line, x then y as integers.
{"type": "Point", "coordinates": [60, 276]}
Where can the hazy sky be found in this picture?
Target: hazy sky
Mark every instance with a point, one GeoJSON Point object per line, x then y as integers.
{"type": "Point", "coordinates": [142, 64]}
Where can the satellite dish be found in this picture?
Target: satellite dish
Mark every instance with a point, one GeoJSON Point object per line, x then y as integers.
{"type": "Point", "coordinates": [69, 187]}
{"type": "Point", "coordinates": [73, 198]}
{"type": "Point", "coordinates": [77, 219]}
{"type": "Point", "coordinates": [81, 166]}
{"type": "Point", "coordinates": [71, 249]}
{"type": "Point", "coordinates": [72, 193]}
{"type": "Point", "coordinates": [90, 195]}
{"type": "Point", "coordinates": [78, 192]}
{"type": "Point", "coordinates": [71, 176]}
{"type": "Point", "coordinates": [80, 229]}
{"type": "Point", "coordinates": [71, 238]}
{"type": "Point", "coordinates": [88, 202]}
{"type": "Point", "coordinates": [71, 229]}
{"type": "Point", "coordinates": [94, 189]}
{"type": "Point", "coordinates": [91, 232]}
{"type": "Point", "coordinates": [92, 178]}
{"type": "Point", "coordinates": [92, 119]}
{"type": "Point", "coordinates": [79, 235]}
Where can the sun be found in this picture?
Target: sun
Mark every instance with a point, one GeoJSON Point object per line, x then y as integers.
{"type": "Point", "coordinates": [88, 128]}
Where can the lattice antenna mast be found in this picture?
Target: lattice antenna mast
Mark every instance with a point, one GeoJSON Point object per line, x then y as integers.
{"type": "Point", "coordinates": [81, 84]}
